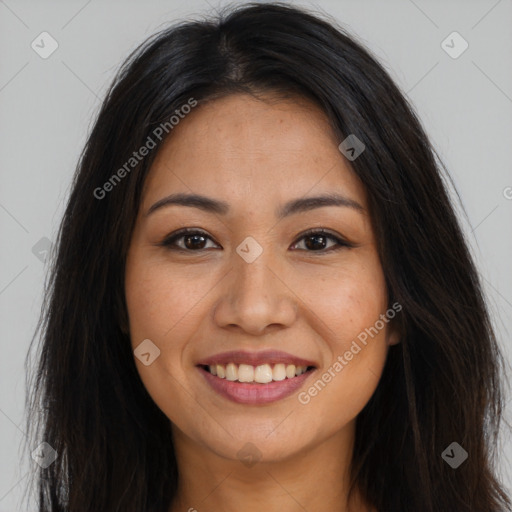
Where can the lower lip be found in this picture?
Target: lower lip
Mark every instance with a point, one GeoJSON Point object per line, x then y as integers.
{"type": "Point", "coordinates": [244, 393]}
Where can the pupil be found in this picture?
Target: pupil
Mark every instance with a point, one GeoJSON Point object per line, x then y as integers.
{"type": "Point", "coordinates": [315, 237]}
{"type": "Point", "coordinates": [190, 237]}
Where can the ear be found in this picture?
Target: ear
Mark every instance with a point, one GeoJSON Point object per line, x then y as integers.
{"type": "Point", "coordinates": [394, 332]}
{"type": "Point", "coordinates": [395, 329]}
{"type": "Point", "coordinates": [121, 314]}
{"type": "Point", "coordinates": [393, 336]}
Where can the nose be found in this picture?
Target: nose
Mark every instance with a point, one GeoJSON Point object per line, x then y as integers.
{"type": "Point", "coordinates": [255, 297]}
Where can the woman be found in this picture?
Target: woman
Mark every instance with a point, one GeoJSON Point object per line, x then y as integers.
{"type": "Point", "coordinates": [262, 298]}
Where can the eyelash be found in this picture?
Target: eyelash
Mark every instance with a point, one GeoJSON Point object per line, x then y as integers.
{"type": "Point", "coordinates": [169, 241]}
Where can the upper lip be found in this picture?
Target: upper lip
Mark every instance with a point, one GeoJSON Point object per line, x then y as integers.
{"type": "Point", "coordinates": [255, 358]}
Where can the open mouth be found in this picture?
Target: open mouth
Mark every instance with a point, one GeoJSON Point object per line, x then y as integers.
{"type": "Point", "coordinates": [261, 374]}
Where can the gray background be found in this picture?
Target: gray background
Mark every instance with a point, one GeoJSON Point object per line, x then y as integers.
{"type": "Point", "coordinates": [47, 107]}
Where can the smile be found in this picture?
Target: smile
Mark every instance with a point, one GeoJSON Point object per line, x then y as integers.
{"type": "Point", "coordinates": [261, 374]}
{"type": "Point", "coordinates": [253, 392]}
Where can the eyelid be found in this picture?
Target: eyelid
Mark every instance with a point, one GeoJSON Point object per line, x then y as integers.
{"type": "Point", "coordinates": [325, 232]}
{"type": "Point", "coordinates": [170, 239]}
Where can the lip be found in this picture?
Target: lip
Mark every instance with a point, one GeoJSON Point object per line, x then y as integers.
{"type": "Point", "coordinates": [254, 394]}
{"type": "Point", "coordinates": [256, 358]}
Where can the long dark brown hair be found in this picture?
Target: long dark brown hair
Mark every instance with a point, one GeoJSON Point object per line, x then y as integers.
{"type": "Point", "coordinates": [441, 384]}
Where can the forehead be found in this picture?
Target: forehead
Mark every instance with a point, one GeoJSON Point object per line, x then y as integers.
{"type": "Point", "coordinates": [240, 147]}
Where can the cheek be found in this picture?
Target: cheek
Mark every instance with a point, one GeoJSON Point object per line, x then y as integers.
{"type": "Point", "coordinates": [349, 306]}
{"type": "Point", "coordinates": [346, 301]}
{"type": "Point", "coordinates": [162, 307]}
{"type": "Point", "coordinates": [161, 303]}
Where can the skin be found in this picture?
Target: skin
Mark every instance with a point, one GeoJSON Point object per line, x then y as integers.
{"type": "Point", "coordinates": [256, 155]}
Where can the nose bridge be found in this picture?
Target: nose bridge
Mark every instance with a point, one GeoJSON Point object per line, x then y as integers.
{"type": "Point", "coordinates": [255, 297]}
{"type": "Point", "coordinates": [252, 274]}
{"type": "Point", "coordinates": [253, 280]}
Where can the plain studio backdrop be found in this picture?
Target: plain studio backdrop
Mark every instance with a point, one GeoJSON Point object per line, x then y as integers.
{"type": "Point", "coordinates": [50, 91]}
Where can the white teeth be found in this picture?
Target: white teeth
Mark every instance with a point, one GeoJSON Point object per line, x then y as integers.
{"type": "Point", "coordinates": [279, 372]}
{"type": "Point", "coordinates": [245, 373]}
{"type": "Point", "coordinates": [231, 372]}
{"type": "Point", "coordinates": [290, 371]}
{"type": "Point", "coordinates": [262, 374]}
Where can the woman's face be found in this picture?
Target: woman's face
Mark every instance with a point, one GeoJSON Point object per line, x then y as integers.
{"type": "Point", "coordinates": [250, 282]}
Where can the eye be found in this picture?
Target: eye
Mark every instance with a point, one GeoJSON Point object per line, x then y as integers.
{"type": "Point", "coordinates": [194, 240]}
{"type": "Point", "coordinates": [315, 240]}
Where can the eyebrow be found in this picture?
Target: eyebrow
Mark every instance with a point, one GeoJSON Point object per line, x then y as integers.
{"type": "Point", "coordinates": [294, 206]}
